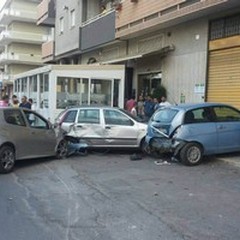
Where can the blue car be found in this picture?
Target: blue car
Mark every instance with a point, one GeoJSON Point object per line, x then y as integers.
{"type": "Point", "coordinates": [190, 131]}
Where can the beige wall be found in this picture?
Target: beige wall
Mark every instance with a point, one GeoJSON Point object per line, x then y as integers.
{"type": "Point", "coordinates": [16, 69]}
{"type": "Point", "coordinates": [24, 5]}
{"type": "Point", "coordinates": [25, 48]}
{"type": "Point", "coordinates": [27, 27]}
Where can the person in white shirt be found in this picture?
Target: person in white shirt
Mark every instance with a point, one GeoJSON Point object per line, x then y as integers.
{"type": "Point", "coordinates": [164, 102]}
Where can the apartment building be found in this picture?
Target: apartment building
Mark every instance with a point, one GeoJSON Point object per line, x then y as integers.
{"type": "Point", "coordinates": [20, 40]}
{"type": "Point", "coordinates": [189, 46]}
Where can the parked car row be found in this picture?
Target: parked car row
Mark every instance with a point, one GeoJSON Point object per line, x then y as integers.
{"type": "Point", "coordinates": [188, 131]}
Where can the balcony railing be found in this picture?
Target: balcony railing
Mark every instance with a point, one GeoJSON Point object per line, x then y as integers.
{"type": "Point", "coordinates": [7, 37]}
{"type": "Point", "coordinates": [98, 30]}
{"type": "Point", "coordinates": [9, 15]}
{"type": "Point", "coordinates": [20, 58]}
{"type": "Point", "coordinates": [48, 51]}
{"type": "Point", "coordinates": [46, 13]}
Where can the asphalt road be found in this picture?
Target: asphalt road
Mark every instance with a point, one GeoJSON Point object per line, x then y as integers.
{"type": "Point", "coordinates": [110, 197]}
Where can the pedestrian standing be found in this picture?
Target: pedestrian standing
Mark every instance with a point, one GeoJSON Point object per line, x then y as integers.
{"type": "Point", "coordinates": [140, 106]}
{"type": "Point", "coordinates": [15, 102]}
{"type": "Point", "coordinates": [134, 110]}
{"type": "Point", "coordinates": [164, 102]}
{"type": "Point", "coordinates": [148, 108]}
{"type": "Point", "coordinates": [130, 103]}
{"type": "Point", "coordinates": [25, 103]}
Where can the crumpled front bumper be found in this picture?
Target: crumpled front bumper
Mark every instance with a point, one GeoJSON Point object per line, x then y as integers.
{"type": "Point", "coordinates": [165, 145]}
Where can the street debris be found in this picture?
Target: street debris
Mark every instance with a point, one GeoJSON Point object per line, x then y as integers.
{"type": "Point", "coordinates": [162, 163]}
{"type": "Point", "coordinates": [135, 157]}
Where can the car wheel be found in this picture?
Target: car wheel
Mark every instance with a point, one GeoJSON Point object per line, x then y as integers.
{"type": "Point", "coordinates": [7, 159]}
{"type": "Point", "coordinates": [62, 149]}
{"type": "Point", "coordinates": [191, 154]}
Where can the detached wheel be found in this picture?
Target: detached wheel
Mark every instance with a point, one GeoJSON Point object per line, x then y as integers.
{"type": "Point", "coordinates": [62, 149]}
{"type": "Point", "coordinates": [191, 154]}
{"type": "Point", "coordinates": [7, 159]}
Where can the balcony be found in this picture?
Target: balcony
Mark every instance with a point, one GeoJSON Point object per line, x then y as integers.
{"type": "Point", "coordinates": [48, 51]}
{"type": "Point", "coordinates": [7, 37]}
{"type": "Point", "coordinates": [46, 13]}
{"type": "Point", "coordinates": [97, 31]}
{"type": "Point", "coordinates": [20, 58]}
{"type": "Point", "coordinates": [9, 15]}
{"type": "Point", "coordinates": [139, 18]}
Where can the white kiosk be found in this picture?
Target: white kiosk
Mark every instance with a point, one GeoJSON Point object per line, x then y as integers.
{"type": "Point", "coordinates": [56, 87]}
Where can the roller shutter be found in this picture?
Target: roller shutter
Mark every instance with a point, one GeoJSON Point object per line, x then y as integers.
{"type": "Point", "coordinates": [224, 76]}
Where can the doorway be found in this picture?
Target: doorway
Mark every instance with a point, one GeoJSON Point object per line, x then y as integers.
{"type": "Point", "coordinates": [147, 83]}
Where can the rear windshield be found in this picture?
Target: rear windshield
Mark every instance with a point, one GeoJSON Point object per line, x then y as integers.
{"type": "Point", "coordinates": [165, 115]}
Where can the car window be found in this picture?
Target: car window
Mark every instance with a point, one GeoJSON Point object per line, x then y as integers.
{"type": "Point", "coordinates": [70, 116]}
{"type": "Point", "coordinates": [36, 121]}
{"type": "Point", "coordinates": [113, 117]}
{"type": "Point", "coordinates": [14, 117]}
{"type": "Point", "coordinates": [199, 115]}
{"type": "Point", "coordinates": [226, 114]}
{"type": "Point", "coordinates": [89, 116]}
{"type": "Point", "coordinates": [164, 115]}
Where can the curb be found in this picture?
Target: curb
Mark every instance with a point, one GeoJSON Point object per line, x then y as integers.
{"type": "Point", "coordinates": [233, 161]}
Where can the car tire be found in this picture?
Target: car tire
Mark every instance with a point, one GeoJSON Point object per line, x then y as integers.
{"type": "Point", "coordinates": [7, 159]}
{"type": "Point", "coordinates": [62, 149]}
{"type": "Point", "coordinates": [191, 154]}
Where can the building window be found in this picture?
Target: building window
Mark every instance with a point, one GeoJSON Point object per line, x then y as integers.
{"type": "Point", "coordinates": [61, 25]}
{"type": "Point", "coordinates": [225, 27]}
{"type": "Point", "coordinates": [72, 18]}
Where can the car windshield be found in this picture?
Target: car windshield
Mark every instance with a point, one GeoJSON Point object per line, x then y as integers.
{"type": "Point", "coordinates": [165, 115]}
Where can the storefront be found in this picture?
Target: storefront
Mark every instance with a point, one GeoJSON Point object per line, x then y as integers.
{"type": "Point", "coordinates": [56, 87]}
{"type": "Point", "coordinates": [224, 61]}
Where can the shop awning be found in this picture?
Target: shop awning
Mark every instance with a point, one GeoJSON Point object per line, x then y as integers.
{"type": "Point", "coordinates": [122, 59]}
{"type": "Point", "coordinates": [162, 51]}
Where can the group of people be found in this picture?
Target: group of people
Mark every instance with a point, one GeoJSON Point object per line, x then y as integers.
{"type": "Point", "coordinates": [14, 102]}
{"type": "Point", "coordinates": [145, 107]}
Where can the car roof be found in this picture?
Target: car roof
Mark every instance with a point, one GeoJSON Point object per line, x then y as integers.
{"type": "Point", "coordinates": [190, 106]}
{"type": "Point", "coordinates": [91, 107]}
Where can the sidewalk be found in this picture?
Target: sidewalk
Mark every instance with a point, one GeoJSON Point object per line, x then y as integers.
{"type": "Point", "coordinates": [233, 159]}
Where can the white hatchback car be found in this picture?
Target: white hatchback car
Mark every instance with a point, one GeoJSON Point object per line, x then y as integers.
{"type": "Point", "coordinates": [103, 127]}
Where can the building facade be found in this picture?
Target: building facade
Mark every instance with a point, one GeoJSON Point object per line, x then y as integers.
{"type": "Point", "coordinates": [178, 44]}
{"type": "Point", "coordinates": [20, 40]}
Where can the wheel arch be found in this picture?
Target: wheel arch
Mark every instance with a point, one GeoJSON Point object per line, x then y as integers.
{"type": "Point", "coordinates": [9, 144]}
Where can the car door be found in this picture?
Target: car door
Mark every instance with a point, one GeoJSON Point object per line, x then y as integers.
{"type": "Point", "coordinates": [228, 128]}
{"type": "Point", "coordinates": [200, 127]}
{"type": "Point", "coordinates": [40, 134]}
{"type": "Point", "coordinates": [120, 130]}
{"type": "Point", "coordinates": [89, 126]}
{"type": "Point", "coordinates": [18, 132]}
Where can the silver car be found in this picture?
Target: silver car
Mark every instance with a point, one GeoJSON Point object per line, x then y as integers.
{"type": "Point", "coordinates": [190, 131]}
{"type": "Point", "coordinates": [24, 135]}
{"type": "Point", "coordinates": [106, 127]}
